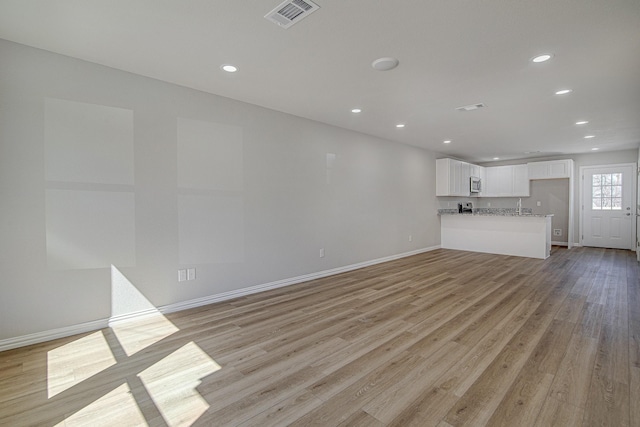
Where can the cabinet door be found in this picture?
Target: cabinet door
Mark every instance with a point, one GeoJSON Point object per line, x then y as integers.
{"type": "Point", "coordinates": [559, 169]}
{"type": "Point", "coordinates": [455, 173]}
{"type": "Point", "coordinates": [443, 177]}
{"type": "Point", "coordinates": [465, 175]}
{"type": "Point", "coordinates": [538, 170]}
{"type": "Point", "coordinates": [521, 180]}
{"type": "Point", "coordinates": [500, 181]}
{"type": "Point", "coordinates": [550, 170]}
{"type": "Point", "coordinates": [505, 174]}
{"type": "Point", "coordinates": [482, 173]}
{"type": "Point", "coordinates": [492, 182]}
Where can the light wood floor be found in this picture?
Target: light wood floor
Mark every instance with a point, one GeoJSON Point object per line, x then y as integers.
{"type": "Point", "coordinates": [445, 338]}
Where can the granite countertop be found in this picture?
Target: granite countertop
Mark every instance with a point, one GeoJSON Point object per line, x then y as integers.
{"type": "Point", "coordinates": [526, 212]}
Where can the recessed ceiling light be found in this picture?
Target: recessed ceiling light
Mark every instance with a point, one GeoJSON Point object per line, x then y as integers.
{"type": "Point", "coordinates": [582, 122]}
{"type": "Point", "coordinates": [589, 136]}
{"type": "Point", "coordinates": [594, 149]}
{"type": "Point", "coordinates": [229, 68]}
{"type": "Point", "coordinates": [563, 92]}
{"type": "Point", "coordinates": [496, 158]}
{"type": "Point", "coordinates": [542, 58]}
{"type": "Point", "coordinates": [356, 110]}
{"type": "Point", "coordinates": [400, 125]}
{"type": "Point", "coordinates": [385, 64]}
{"type": "Point", "coordinates": [446, 142]}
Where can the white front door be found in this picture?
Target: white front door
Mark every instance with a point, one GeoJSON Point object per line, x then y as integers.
{"type": "Point", "coordinates": [608, 217]}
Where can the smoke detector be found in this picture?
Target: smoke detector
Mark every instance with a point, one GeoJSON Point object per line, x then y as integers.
{"type": "Point", "coordinates": [471, 107]}
{"type": "Point", "coordinates": [385, 64]}
{"type": "Point", "coordinates": [291, 12]}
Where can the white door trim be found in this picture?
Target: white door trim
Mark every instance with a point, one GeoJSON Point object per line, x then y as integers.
{"type": "Point", "coordinates": [581, 196]}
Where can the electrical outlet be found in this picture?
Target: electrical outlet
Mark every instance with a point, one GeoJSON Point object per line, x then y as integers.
{"type": "Point", "coordinates": [538, 203]}
{"type": "Point", "coordinates": [557, 232]}
{"type": "Point", "coordinates": [321, 252]}
{"type": "Point", "coordinates": [182, 275]}
{"type": "Point", "coordinates": [410, 238]}
{"type": "Point", "coordinates": [191, 274]}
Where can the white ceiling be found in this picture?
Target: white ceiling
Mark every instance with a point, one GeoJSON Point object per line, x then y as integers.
{"type": "Point", "coordinates": [451, 53]}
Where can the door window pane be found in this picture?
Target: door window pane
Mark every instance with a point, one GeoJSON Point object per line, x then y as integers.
{"type": "Point", "coordinates": [616, 191]}
{"type": "Point", "coordinates": [597, 204]}
{"type": "Point", "coordinates": [606, 191]}
{"type": "Point", "coordinates": [616, 179]}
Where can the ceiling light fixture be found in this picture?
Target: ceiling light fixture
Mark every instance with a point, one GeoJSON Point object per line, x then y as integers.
{"type": "Point", "coordinates": [563, 92]}
{"type": "Point", "coordinates": [542, 58]}
{"type": "Point", "coordinates": [400, 125]}
{"type": "Point", "coordinates": [385, 64]}
{"type": "Point", "coordinates": [356, 110]}
{"type": "Point", "coordinates": [446, 142]}
{"type": "Point", "coordinates": [582, 122]}
{"type": "Point", "coordinates": [594, 149]}
{"type": "Point", "coordinates": [589, 136]}
{"type": "Point", "coordinates": [496, 158]}
{"type": "Point", "coordinates": [229, 68]}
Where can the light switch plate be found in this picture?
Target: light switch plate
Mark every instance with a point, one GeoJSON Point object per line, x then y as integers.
{"type": "Point", "coordinates": [191, 274]}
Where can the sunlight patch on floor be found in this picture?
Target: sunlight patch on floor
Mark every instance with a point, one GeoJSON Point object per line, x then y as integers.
{"type": "Point", "coordinates": [137, 335]}
{"type": "Point", "coordinates": [172, 383]}
{"type": "Point", "coordinates": [101, 412]}
{"type": "Point", "coordinates": [77, 361]}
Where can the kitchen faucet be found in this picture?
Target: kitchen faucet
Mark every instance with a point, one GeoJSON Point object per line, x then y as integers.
{"type": "Point", "coordinates": [519, 207]}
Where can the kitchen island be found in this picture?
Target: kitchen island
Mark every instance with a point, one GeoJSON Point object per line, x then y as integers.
{"type": "Point", "coordinates": [525, 235]}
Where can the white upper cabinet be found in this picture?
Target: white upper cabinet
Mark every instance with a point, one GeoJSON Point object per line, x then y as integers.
{"type": "Point", "coordinates": [506, 181]}
{"type": "Point", "coordinates": [521, 181]}
{"type": "Point", "coordinates": [453, 177]}
{"type": "Point", "coordinates": [550, 170]}
{"type": "Point", "coordinates": [476, 171]}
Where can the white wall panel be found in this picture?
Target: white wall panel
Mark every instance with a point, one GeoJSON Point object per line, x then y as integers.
{"type": "Point", "coordinates": [88, 143]}
{"type": "Point", "coordinates": [90, 229]}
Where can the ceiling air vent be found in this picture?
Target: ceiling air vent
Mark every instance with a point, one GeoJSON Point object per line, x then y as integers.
{"type": "Point", "coordinates": [291, 12]}
{"type": "Point", "coordinates": [471, 107]}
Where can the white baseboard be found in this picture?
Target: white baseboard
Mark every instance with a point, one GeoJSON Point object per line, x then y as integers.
{"type": "Point", "coordinates": [121, 318]}
{"type": "Point", "coordinates": [52, 334]}
{"type": "Point", "coordinates": [559, 243]}
{"type": "Point", "coordinates": [184, 305]}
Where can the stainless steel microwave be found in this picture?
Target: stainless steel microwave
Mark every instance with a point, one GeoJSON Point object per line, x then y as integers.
{"type": "Point", "coordinates": [475, 184]}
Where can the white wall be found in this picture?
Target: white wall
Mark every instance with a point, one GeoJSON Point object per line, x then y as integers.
{"type": "Point", "coordinates": [100, 167]}
{"type": "Point", "coordinates": [553, 195]}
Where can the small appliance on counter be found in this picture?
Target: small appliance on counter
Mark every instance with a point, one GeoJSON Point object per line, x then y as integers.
{"type": "Point", "coordinates": [465, 208]}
